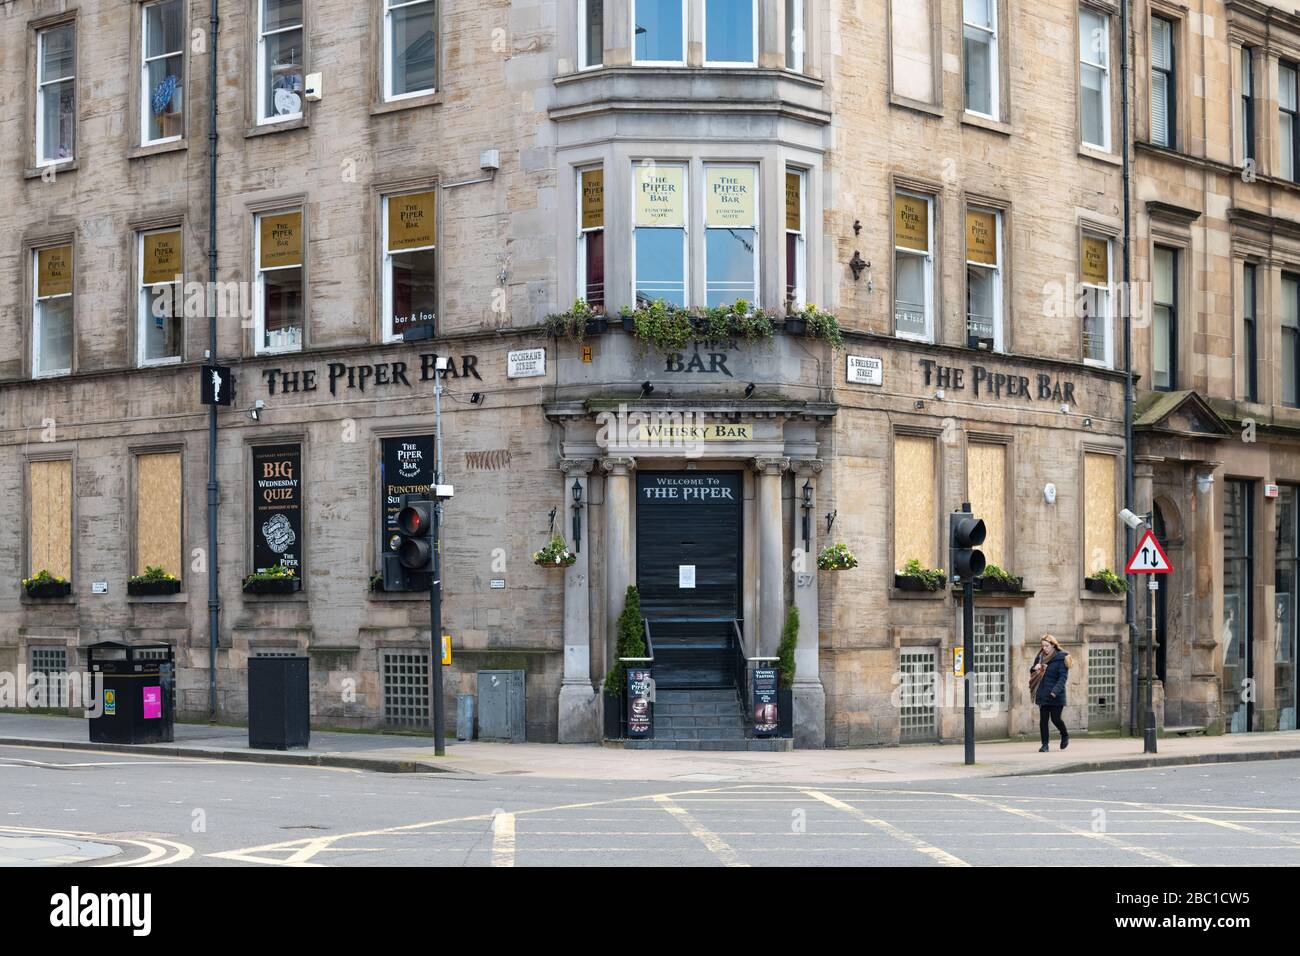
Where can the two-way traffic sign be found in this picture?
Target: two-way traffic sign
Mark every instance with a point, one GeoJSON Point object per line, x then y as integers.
{"type": "Point", "coordinates": [1148, 557]}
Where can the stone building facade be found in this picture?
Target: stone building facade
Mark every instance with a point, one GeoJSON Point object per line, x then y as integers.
{"type": "Point", "coordinates": [946, 181]}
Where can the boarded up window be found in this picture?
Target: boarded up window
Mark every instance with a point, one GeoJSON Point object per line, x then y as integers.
{"type": "Point", "coordinates": [912, 36]}
{"type": "Point", "coordinates": [914, 500]}
{"type": "Point", "coordinates": [1098, 513]}
{"type": "Point", "coordinates": [158, 513]}
{"type": "Point", "coordinates": [986, 489]}
{"type": "Point", "coordinates": [50, 517]}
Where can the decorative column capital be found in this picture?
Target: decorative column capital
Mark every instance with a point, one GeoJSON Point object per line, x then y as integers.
{"type": "Point", "coordinates": [577, 466]}
{"type": "Point", "coordinates": [771, 466]}
{"type": "Point", "coordinates": [618, 466]}
{"type": "Point", "coordinates": [807, 466]}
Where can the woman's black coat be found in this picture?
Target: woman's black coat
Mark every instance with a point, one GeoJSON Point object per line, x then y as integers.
{"type": "Point", "coordinates": [1053, 682]}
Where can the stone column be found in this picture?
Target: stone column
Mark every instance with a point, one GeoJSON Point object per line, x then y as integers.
{"type": "Point", "coordinates": [1207, 599]}
{"type": "Point", "coordinates": [809, 695]}
{"type": "Point", "coordinates": [578, 716]}
{"type": "Point", "coordinates": [771, 559]}
{"type": "Point", "coordinates": [618, 544]}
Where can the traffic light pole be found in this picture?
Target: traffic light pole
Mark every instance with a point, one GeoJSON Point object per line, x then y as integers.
{"type": "Point", "coordinates": [968, 655]}
{"type": "Point", "coordinates": [435, 579]}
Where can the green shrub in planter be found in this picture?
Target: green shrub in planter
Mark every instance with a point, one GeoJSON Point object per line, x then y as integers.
{"type": "Point", "coordinates": [43, 584]}
{"type": "Point", "coordinates": [631, 640]}
{"type": "Point", "coordinates": [1108, 581]}
{"type": "Point", "coordinates": [913, 577]}
{"type": "Point", "coordinates": [785, 650]}
{"type": "Point", "coordinates": [274, 580]}
{"type": "Point", "coordinates": [154, 581]}
{"type": "Point", "coordinates": [573, 323]}
{"type": "Point", "coordinates": [662, 327]}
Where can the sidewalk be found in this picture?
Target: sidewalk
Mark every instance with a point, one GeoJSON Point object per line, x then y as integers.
{"type": "Point", "coordinates": [915, 762]}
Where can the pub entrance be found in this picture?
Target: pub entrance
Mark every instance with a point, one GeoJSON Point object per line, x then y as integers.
{"type": "Point", "coordinates": [688, 572]}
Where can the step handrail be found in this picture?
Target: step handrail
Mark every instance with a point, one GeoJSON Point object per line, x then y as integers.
{"type": "Point", "coordinates": [742, 671]}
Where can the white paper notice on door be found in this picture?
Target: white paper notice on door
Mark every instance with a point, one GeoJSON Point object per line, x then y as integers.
{"type": "Point", "coordinates": [686, 575]}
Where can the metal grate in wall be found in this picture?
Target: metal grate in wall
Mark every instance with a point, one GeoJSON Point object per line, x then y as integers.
{"type": "Point", "coordinates": [275, 652]}
{"type": "Point", "coordinates": [52, 664]}
{"type": "Point", "coordinates": [1103, 681]}
{"type": "Point", "coordinates": [405, 678]}
{"type": "Point", "coordinates": [917, 716]}
{"type": "Point", "coordinates": [991, 658]}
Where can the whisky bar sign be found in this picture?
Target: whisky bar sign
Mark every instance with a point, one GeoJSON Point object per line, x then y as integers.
{"type": "Point", "coordinates": [986, 383]}
{"type": "Point", "coordinates": [676, 432]}
{"type": "Point", "coordinates": [372, 375]}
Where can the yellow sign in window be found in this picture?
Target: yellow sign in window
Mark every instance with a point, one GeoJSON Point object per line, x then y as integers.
{"type": "Point", "coordinates": [54, 271]}
{"type": "Point", "coordinates": [281, 240]}
{"type": "Point", "coordinates": [411, 221]}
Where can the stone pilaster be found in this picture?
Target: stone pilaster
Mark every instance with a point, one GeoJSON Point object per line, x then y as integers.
{"type": "Point", "coordinates": [809, 695]}
{"type": "Point", "coordinates": [578, 717]}
{"type": "Point", "coordinates": [771, 560]}
{"type": "Point", "coordinates": [618, 543]}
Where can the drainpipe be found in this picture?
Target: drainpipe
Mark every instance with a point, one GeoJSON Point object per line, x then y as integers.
{"type": "Point", "coordinates": [1130, 607]}
{"type": "Point", "coordinates": [214, 600]}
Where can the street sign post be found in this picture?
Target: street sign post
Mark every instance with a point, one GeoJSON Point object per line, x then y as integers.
{"type": "Point", "coordinates": [1149, 558]}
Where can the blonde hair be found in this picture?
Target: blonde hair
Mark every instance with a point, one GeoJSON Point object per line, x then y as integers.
{"type": "Point", "coordinates": [1053, 641]}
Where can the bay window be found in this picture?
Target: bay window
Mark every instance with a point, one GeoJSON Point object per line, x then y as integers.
{"type": "Point", "coordinates": [162, 72]}
{"type": "Point", "coordinates": [730, 234]}
{"type": "Point", "coordinates": [280, 39]}
{"type": "Point", "coordinates": [913, 267]}
{"type": "Point", "coordinates": [278, 320]}
{"type": "Point", "coordinates": [591, 238]}
{"type": "Point", "coordinates": [1096, 301]}
{"type": "Point", "coordinates": [591, 33]}
{"type": "Point", "coordinates": [1094, 77]}
{"type": "Point", "coordinates": [659, 233]}
{"type": "Point", "coordinates": [980, 51]}
{"type": "Point", "coordinates": [52, 272]}
{"type": "Point", "coordinates": [730, 32]}
{"type": "Point", "coordinates": [984, 279]}
{"type": "Point", "coordinates": [659, 31]}
{"type": "Point", "coordinates": [410, 48]}
{"type": "Point", "coordinates": [56, 94]}
{"type": "Point", "coordinates": [796, 240]}
{"type": "Point", "coordinates": [410, 263]}
{"type": "Point", "coordinates": [159, 303]}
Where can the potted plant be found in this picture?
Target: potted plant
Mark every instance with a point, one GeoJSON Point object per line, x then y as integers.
{"type": "Point", "coordinates": [155, 581]}
{"type": "Point", "coordinates": [1106, 581]}
{"type": "Point", "coordinates": [836, 557]}
{"type": "Point", "coordinates": [785, 673]}
{"type": "Point", "coordinates": [274, 580]}
{"type": "Point", "coordinates": [913, 577]}
{"type": "Point", "coordinates": [813, 322]}
{"type": "Point", "coordinates": [662, 327]}
{"type": "Point", "coordinates": [577, 323]}
{"type": "Point", "coordinates": [42, 584]}
{"type": "Point", "coordinates": [631, 643]}
{"type": "Point", "coordinates": [999, 579]}
{"type": "Point", "coordinates": [556, 554]}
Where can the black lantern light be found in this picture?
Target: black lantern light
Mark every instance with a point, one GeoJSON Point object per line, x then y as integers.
{"type": "Point", "coordinates": [577, 515]}
{"type": "Point", "coordinates": [807, 512]}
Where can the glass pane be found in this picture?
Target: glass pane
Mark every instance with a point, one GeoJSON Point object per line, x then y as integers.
{"type": "Point", "coordinates": [1093, 89]}
{"type": "Point", "coordinates": [1095, 304]}
{"type": "Point", "coordinates": [792, 270]}
{"type": "Point", "coordinates": [979, 12]}
{"type": "Point", "coordinates": [415, 47]}
{"type": "Point", "coordinates": [909, 295]}
{"type": "Point", "coordinates": [1161, 43]}
{"type": "Point", "coordinates": [1286, 87]}
{"type": "Point", "coordinates": [1286, 144]}
{"type": "Point", "coordinates": [660, 266]}
{"type": "Point", "coordinates": [595, 52]}
{"type": "Point", "coordinates": [282, 309]}
{"type": "Point", "coordinates": [595, 263]}
{"type": "Point", "coordinates": [58, 53]}
{"type": "Point", "coordinates": [160, 323]}
{"type": "Point", "coordinates": [414, 285]}
{"type": "Point", "coordinates": [1236, 600]}
{"type": "Point", "coordinates": [793, 35]}
{"type": "Point", "coordinates": [729, 31]}
{"type": "Point", "coordinates": [1160, 346]}
{"type": "Point", "coordinates": [283, 74]}
{"type": "Point", "coordinates": [54, 319]}
{"type": "Point", "coordinates": [277, 14]}
{"type": "Point", "coordinates": [1288, 367]}
{"type": "Point", "coordinates": [658, 30]}
{"type": "Point", "coordinates": [165, 97]}
{"type": "Point", "coordinates": [979, 72]}
{"type": "Point", "coordinates": [1164, 276]}
{"type": "Point", "coordinates": [1247, 73]}
{"type": "Point", "coordinates": [1248, 291]}
{"type": "Point", "coordinates": [980, 306]}
{"type": "Point", "coordinates": [1284, 625]}
{"type": "Point", "coordinates": [1290, 302]}
{"type": "Point", "coordinates": [1159, 108]}
{"type": "Point", "coordinates": [1094, 44]}
{"type": "Point", "coordinates": [729, 255]}
{"type": "Point", "coordinates": [164, 28]}
{"type": "Point", "coordinates": [58, 114]}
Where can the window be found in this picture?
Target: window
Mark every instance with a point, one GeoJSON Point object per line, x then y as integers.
{"type": "Point", "coordinates": [410, 263]}
{"type": "Point", "coordinates": [913, 267]}
{"type": "Point", "coordinates": [915, 500]}
{"type": "Point", "coordinates": [279, 60]}
{"type": "Point", "coordinates": [1286, 577]}
{"type": "Point", "coordinates": [278, 323]}
{"type": "Point", "coordinates": [1095, 303]}
{"type": "Point", "coordinates": [658, 31]}
{"type": "Point", "coordinates": [162, 72]}
{"type": "Point", "coordinates": [591, 237]}
{"type": "Point", "coordinates": [1094, 77]}
{"type": "Point", "coordinates": [50, 675]}
{"type": "Point", "coordinates": [1238, 588]}
{"type": "Point", "coordinates": [1290, 358]}
{"type": "Point", "coordinates": [1164, 328]}
{"type": "Point", "coordinates": [159, 304]}
{"type": "Point", "coordinates": [986, 490]}
{"type": "Point", "coordinates": [730, 235]}
{"type": "Point", "coordinates": [1103, 681]}
{"type": "Point", "coordinates": [1250, 331]}
{"type": "Point", "coordinates": [796, 241]}
{"type": "Point", "coordinates": [794, 35]}
{"type": "Point", "coordinates": [1247, 103]}
{"type": "Point", "coordinates": [984, 279]}
{"type": "Point", "coordinates": [1099, 510]}
{"type": "Point", "coordinates": [410, 48]}
{"type": "Point", "coordinates": [591, 33]}
{"type": "Point", "coordinates": [980, 49]}
{"type": "Point", "coordinates": [1289, 168]}
{"type": "Point", "coordinates": [730, 32]}
{"type": "Point", "coordinates": [917, 719]}
{"type": "Point", "coordinates": [56, 94]}
{"type": "Point", "coordinates": [406, 688]}
{"type": "Point", "coordinates": [1164, 117]}
{"type": "Point", "coordinates": [158, 491]}
{"type": "Point", "coordinates": [659, 234]}
{"type": "Point", "coordinates": [52, 311]}
{"type": "Point", "coordinates": [49, 517]}
{"type": "Point", "coordinates": [990, 646]}
{"type": "Point", "coordinates": [912, 37]}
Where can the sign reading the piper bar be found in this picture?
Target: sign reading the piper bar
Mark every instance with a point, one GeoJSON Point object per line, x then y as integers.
{"type": "Point", "coordinates": [593, 198]}
{"type": "Point", "coordinates": [731, 195]}
{"type": "Point", "coordinates": [161, 257]}
{"type": "Point", "coordinates": [661, 196]}
{"type": "Point", "coordinates": [54, 271]}
{"type": "Point", "coordinates": [280, 240]}
{"type": "Point", "coordinates": [405, 468]}
{"type": "Point", "coordinates": [277, 507]}
{"type": "Point", "coordinates": [1095, 260]}
{"type": "Point", "coordinates": [410, 221]}
{"type": "Point", "coordinates": [671, 431]}
{"type": "Point", "coordinates": [693, 488]}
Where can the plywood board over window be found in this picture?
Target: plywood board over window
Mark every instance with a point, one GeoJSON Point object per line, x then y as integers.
{"type": "Point", "coordinates": [914, 500]}
{"type": "Point", "coordinates": [986, 489]}
{"type": "Point", "coordinates": [158, 512]}
{"type": "Point", "coordinates": [50, 517]}
{"type": "Point", "coordinates": [1099, 515]}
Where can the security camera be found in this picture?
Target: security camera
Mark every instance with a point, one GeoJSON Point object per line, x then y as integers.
{"type": "Point", "coordinates": [255, 413]}
{"type": "Point", "coordinates": [1130, 519]}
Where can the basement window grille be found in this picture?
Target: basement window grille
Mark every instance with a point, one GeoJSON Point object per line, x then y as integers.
{"type": "Point", "coordinates": [917, 718]}
{"type": "Point", "coordinates": [51, 664]}
{"type": "Point", "coordinates": [406, 688]}
{"type": "Point", "coordinates": [1103, 681]}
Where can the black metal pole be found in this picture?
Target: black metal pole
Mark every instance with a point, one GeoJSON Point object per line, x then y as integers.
{"type": "Point", "coordinates": [1130, 602]}
{"type": "Point", "coordinates": [435, 631]}
{"type": "Point", "coordinates": [968, 659]}
{"type": "Point", "coordinates": [214, 595]}
{"type": "Point", "coordinates": [1149, 734]}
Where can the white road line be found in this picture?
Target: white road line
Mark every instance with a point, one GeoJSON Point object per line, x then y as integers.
{"type": "Point", "coordinates": [714, 843]}
{"type": "Point", "coordinates": [503, 839]}
{"type": "Point", "coordinates": [933, 852]}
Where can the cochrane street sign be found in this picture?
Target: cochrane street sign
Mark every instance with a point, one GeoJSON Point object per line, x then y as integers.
{"type": "Point", "coordinates": [376, 375]}
{"type": "Point", "coordinates": [998, 384]}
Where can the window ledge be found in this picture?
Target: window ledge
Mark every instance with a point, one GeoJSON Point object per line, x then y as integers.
{"type": "Point", "coordinates": [155, 149]}
{"type": "Point", "coordinates": [387, 597]}
{"type": "Point", "coordinates": [1086, 595]}
{"type": "Point", "coordinates": [1100, 155]}
{"type": "Point", "coordinates": [415, 102]}
{"type": "Point", "coordinates": [297, 597]}
{"type": "Point", "coordinates": [897, 594]}
{"type": "Point", "coordinates": [920, 106]}
{"type": "Point", "coordinates": [38, 172]}
{"type": "Point", "coordinates": [266, 129]}
{"type": "Point", "coordinates": [986, 122]}
{"type": "Point", "coordinates": [26, 601]}
{"type": "Point", "coordinates": [179, 597]}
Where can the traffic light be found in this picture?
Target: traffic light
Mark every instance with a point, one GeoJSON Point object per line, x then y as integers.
{"type": "Point", "coordinates": [408, 557]}
{"type": "Point", "coordinates": [965, 535]}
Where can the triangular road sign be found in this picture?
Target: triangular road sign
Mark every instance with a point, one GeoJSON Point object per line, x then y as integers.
{"type": "Point", "coordinates": [1148, 557]}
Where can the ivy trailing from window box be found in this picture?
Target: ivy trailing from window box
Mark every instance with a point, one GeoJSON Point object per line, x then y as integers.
{"type": "Point", "coordinates": [995, 578]}
{"type": "Point", "coordinates": [274, 580]}
{"type": "Point", "coordinates": [1106, 581]}
{"type": "Point", "coordinates": [577, 323]}
{"type": "Point", "coordinates": [661, 327]}
{"type": "Point", "coordinates": [43, 584]}
{"type": "Point", "coordinates": [154, 581]}
{"type": "Point", "coordinates": [836, 557]}
{"type": "Point", "coordinates": [913, 577]}
{"type": "Point", "coordinates": [666, 328]}
{"type": "Point", "coordinates": [556, 554]}
{"type": "Point", "coordinates": [814, 323]}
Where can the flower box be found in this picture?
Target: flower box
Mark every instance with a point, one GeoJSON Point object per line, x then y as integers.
{"type": "Point", "coordinates": [49, 589]}
{"type": "Point", "coordinates": [272, 586]}
{"type": "Point", "coordinates": [908, 582]}
{"type": "Point", "coordinates": [629, 324]}
{"type": "Point", "coordinates": [796, 325]}
{"type": "Point", "coordinates": [999, 586]}
{"type": "Point", "coordinates": [598, 325]}
{"type": "Point", "coordinates": [1098, 586]}
{"type": "Point", "coordinates": [153, 588]}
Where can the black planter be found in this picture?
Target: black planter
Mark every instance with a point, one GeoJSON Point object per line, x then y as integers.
{"type": "Point", "coordinates": [1098, 586]}
{"type": "Point", "coordinates": [275, 586]}
{"type": "Point", "coordinates": [785, 712]}
{"type": "Point", "coordinates": [995, 586]}
{"type": "Point", "coordinates": [598, 325]}
{"type": "Point", "coordinates": [906, 582]}
{"type": "Point", "coordinates": [629, 324]}
{"type": "Point", "coordinates": [613, 717]}
{"type": "Point", "coordinates": [49, 589]}
{"type": "Point", "coordinates": [152, 588]}
{"type": "Point", "coordinates": [794, 326]}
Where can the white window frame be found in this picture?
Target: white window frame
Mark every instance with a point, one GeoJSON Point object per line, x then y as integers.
{"type": "Point", "coordinates": [801, 255]}
{"type": "Point", "coordinates": [998, 272]}
{"type": "Point", "coordinates": [583, 19]}
{"type": "Point", "coordinates": [758, 235]}
{"type": "Point", "coordinates": [259, 291]}
{"type": "Point", "coordinates": [1108, 326]}
{"type": "Point", "coordinates": [262, 34]}
{"type": "Point", "coordinates": [146, 95]}
{"type": "Point", "coordinates": [796, 37]}
{"type": "Point", "coordinates": [387, 265]}
{"type": "Point", "coordinates": [685, 227]}
{"type": "Point", "coordinates": [1106, 81]}
{"type": "Point", "coordinates": [928, 257]}
{"type": "Point", "coordinates": [389, 7]}
{"type": "Point", "coordinates": [753, 42]}
{"type": "Point", "coordinates": [686, 23]}
{"type": "Point", "coordinates": [143, 310]}
{"type": "Point", "coordinates": [995, 65]}
{"type": "Point", "coordinates": [37, 299]}
{"type": "Point", "coordinates": [40, 92]}
{"type": "Point", "coordinates": [582, 241]}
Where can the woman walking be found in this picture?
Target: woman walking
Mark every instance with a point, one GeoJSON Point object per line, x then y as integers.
{"type": "Point", "coordinates": [1047, 679]}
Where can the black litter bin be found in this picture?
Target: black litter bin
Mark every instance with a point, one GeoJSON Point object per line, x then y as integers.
{"type": "Point", "coordinates": [138, 694]}
{"type": "Point", "coordinates": [279, 703]}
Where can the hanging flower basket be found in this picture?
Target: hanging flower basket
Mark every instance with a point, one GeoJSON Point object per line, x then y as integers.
{"type": "Point", "coordinates": [556, 554]}
{"type": "Point", "coordinates": [836, 557]}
